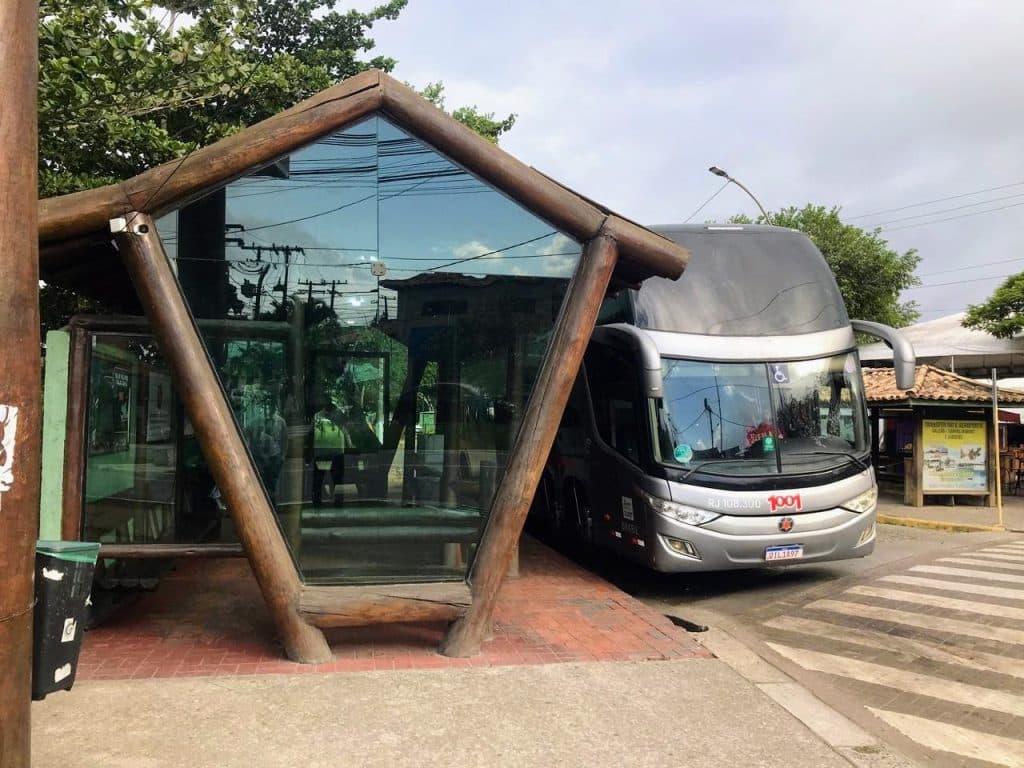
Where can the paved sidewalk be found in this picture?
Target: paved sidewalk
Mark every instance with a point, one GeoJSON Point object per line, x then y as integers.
{"type": "Point", "coordinates": [208, 618]}
{"type": "Point", "coordinates": [697, 713]}
{"type": "Point", "coordinates": [935, 513]}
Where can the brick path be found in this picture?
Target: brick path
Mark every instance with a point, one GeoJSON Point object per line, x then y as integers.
{"type": "Point", "coordinates": [207, 618]}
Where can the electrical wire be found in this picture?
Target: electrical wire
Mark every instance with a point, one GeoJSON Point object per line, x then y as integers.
{"type": "Point", "coordinates": [932, 202]}
{"type": "Point", "coordinates": [702, 205]}
{"type": "Point", "coordinates": [951, 218]}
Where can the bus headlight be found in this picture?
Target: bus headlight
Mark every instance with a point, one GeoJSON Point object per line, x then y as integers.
{"type": "Point", "coordinates": [863, 502]}
{"type": "Point", "coordinates": [680, 512]}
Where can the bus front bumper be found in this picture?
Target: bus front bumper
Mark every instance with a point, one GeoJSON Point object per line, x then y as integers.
{"type": "Point", "coordinates": [747, 543]}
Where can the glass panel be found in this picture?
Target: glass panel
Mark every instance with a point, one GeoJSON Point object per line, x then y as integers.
{"type": "Point", "coordinates": [752, 418]}
{"type": "Point", "coordinates": [377, 316]}
{"type": "Point", "coordinates": [820, 406]}
{"type": "Point", "coordinates": [717, 417]}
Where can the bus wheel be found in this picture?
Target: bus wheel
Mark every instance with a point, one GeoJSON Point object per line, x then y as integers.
{"type": "Point", "coordinates": [577, 517]}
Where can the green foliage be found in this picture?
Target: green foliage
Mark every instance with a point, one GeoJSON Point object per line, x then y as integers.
{"type": "Point", "coordinates": [483, 123]}
{"type": "Point", "coordinates": [128, 84]}
{"type": "Point", "coordinates": [869, 273]}
{"type": "Point", "coordinates": [1002, 315]}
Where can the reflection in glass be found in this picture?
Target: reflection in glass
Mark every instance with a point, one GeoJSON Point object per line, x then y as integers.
{"type": "Point", "coordinates": [758, 418]}
{"type": "Point", "coordinates": [377, 317]}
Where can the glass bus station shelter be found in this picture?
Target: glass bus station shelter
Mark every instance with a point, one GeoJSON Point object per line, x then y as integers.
{"type": "Point", "coordinates": [347, 336]}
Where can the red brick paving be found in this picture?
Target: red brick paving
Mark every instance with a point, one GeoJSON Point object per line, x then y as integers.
{"type": "Point", "coordinates": [208, 618]}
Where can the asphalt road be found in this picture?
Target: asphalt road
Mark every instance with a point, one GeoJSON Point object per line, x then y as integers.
{"type": "Point", "coordinates": [921, 643]}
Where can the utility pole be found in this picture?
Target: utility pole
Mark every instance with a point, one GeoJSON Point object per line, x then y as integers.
{"type": "Point", "coordinates": [20, 387]}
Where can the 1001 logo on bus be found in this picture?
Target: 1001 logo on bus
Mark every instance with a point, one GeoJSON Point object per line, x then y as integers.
{"type": "Point", "coordinates": [785, 502]}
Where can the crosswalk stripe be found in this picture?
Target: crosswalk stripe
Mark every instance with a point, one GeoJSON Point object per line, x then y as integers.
{"type": "Point", "coordinates": [944, 737]}
{"type": "Point", "coordinates": [996, 557]}
{"type": "Point", "coordinates": [987, 563]}
{"type": "Point", "coordinates": [1005, 551]}
{"type": "Point", "coordinates": [904, 680]}
{"type": "Point", "coordinates": [986, 662]}
{"type": "Point", "coordinates": [923, 621]}
{"type": "Point", "coordinates": [939, 601]}
{"type": "Point", "coordinates": [957, 586]}
{"type": "Point", "coordinates": [969, 573]}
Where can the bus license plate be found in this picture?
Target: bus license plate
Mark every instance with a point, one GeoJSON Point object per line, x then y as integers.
{"type": "Point", "coordinates": [788, 552]}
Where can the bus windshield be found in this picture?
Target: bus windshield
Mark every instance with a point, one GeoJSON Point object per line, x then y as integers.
{"type": "Point", "coordinates": [728, 418]}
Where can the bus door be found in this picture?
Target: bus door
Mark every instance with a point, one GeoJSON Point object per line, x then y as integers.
{"type": "Point", "coordinates": [616, 453]}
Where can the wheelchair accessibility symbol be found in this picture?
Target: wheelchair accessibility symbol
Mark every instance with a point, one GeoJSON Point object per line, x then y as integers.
{"type": "Point", "coordinates": [780, 373]}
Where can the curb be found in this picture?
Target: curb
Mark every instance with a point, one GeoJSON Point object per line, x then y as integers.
{"type": "Point", "coordinates": [842, 735]}
{"type": "Point", "coordinates": [938, 525]}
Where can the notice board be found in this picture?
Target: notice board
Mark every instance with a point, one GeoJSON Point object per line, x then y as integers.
{"type": "Point", "coordinates": [955, 456]}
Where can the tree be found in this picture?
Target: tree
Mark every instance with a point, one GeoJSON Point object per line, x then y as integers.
{"type": "Point", "coordinates": [483, 123]}
{"type": "Point", "coordinates": [869, 273]}
{"type": "Point", "coordinates": [125, 85]}
{"type": "Point", "coordinates": [1002, 315]}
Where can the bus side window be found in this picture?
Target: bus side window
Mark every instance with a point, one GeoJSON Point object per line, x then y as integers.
{"type": "Point", "coordinates": [613, 389]}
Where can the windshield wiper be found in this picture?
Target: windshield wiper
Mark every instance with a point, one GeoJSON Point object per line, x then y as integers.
{"type": "Point", "coordinates": [704, 463]}
{"type": "Point", "coordinates": [852, 457]}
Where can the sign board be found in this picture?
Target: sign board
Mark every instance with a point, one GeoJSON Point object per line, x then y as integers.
{"type": "Point", "coordinates": [955, 456]}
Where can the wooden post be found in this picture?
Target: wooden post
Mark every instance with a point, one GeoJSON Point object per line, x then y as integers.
{"type": "Point", "coordinates": [75, 438]}
{"type": "Point", "coordinates": [918, 449]}
{"type": "Point", "coordinates": [997, 472]}
{"type": "Point", "coordinates": [20, 386]}
{"type": "Point", "coordinates": [533, 443]}
{"type": "Point", "coordinates": [218, 436]}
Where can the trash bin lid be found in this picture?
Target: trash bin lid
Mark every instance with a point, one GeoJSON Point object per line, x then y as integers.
{"type": "Point", "coordinates": [72, 551]}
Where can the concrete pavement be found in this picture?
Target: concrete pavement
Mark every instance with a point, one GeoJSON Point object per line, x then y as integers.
{"type": "Point", "coordinates": [694, 712]}
{"type": "Point", "coordinates": [891, 509]}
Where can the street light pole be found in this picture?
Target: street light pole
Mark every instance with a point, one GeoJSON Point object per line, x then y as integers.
{"type": "Point", "coordinates": [719, 172]}
{"type": "Point", "coordinates": [20, 389]}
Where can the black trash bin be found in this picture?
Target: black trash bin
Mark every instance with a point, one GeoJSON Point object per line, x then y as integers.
{"type": "Point", "coordinates": [63, 583]}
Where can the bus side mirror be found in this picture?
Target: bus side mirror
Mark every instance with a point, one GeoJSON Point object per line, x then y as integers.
{"type": "Point", "coordinates": [903, 357]}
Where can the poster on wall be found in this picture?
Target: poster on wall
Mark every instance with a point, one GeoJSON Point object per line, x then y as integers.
{"type": "Point", "coordinates": [110, 407]}
{"type": "Point", "coordinates": [158, 408]}
{"type": "Point", "coordinates": [955, 456]}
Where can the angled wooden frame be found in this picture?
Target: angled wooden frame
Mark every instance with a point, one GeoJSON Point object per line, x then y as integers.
{"type": "Point", "coordinates": [614, 247]}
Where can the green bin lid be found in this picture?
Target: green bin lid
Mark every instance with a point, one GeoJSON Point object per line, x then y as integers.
{"type": "Point", "coordinates": [72, 551]}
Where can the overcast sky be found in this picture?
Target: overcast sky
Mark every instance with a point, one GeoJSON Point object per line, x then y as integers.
{"type": "Point", "coordinates": [866, 105]}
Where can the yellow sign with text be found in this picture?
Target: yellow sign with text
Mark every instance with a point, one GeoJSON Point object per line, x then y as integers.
{"type": "Point", "coordinates": [955, 456]}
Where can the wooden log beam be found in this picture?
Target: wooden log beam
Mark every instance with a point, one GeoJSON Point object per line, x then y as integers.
{"type": "Point", "coordinates": [20, 387]}
{"type": "Point", "coordinates": [217, 434]}
{"type": "Point", "coordinates": [173, 183]}
{"type": "Point", "coordinates": [155, 551]}
{"type": "Point", "coordinates": [383, 603]}
{"type": "Point", "coordinates": [533, 443]}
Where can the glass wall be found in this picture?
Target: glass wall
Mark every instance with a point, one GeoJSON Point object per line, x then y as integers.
{"type": "Point", "coordinates": [377, 317]}
{"type": "Point", "coordinates": [146, 481]}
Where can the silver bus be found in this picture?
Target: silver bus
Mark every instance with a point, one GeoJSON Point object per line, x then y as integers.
{"type": "Point", "coordinates": [719, 421]}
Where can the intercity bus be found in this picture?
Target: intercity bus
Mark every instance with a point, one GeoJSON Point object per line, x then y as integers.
{"type": "Point", "coordinates": [719, 420]}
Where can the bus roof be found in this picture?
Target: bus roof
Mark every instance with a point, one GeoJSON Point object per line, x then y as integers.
{"type": "Point", "coordinates": [743, 280]}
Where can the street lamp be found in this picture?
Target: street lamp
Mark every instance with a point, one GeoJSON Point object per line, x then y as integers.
{"type": "Point", "coordinates": [719, 172]}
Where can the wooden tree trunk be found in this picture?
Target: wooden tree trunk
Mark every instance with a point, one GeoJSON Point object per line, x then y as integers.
{"type": "Point", "coordinates": [222, 445]}
{"type": "Point", "coordinates": [20, 387]}
{"type": "Point", "coordinates": [534, 441]}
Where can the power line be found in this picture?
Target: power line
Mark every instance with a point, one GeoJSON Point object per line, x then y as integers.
{"type": "Point", "coordinates": [950, 210]}
{"type": "Point", "coordinates": [961, 282]}
{"type": "Point", "coordinates": [702, 205]}
{"type": "Point", "coordinates": [931, 202]}
{"type": "Point", "coordinates": [951, 218]}
{"type": "Point", "coordinates": [971, 266]}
